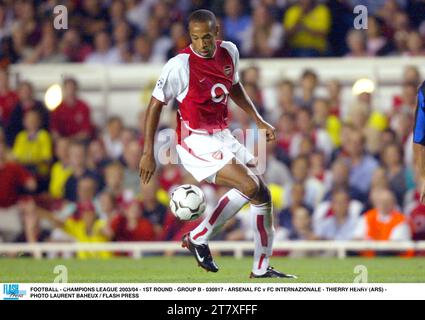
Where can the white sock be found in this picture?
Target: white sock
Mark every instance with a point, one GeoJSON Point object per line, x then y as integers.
{"type": "Point", "coordinates": [228, 205]}
{"type": "Point", "coordinates": [262, 223]}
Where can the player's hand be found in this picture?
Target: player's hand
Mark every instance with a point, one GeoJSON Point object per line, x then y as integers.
{"type": "Point", "coordinates": [147, 167]}
{"type": "Point", "coordinates": [270, 130]}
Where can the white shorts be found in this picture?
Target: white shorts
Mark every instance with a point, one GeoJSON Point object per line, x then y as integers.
{"type": "Point", "coordinates": [203, 155]}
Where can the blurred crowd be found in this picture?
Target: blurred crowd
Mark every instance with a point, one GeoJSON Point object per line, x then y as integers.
{"type": "Point", "coordinates": [336, 171]}
{"type": "Point", "coordinates": [147, 31]}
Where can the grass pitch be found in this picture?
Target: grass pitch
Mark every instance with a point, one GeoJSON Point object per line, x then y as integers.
{"type": "Point", "coordinates": [185, 270]}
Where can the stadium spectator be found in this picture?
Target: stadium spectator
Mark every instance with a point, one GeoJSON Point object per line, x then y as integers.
{"type": "Point", "coordinates": [33, 146]}
{"type": "Point", "coordinates": [131, 156]}
{"type": "Point", "coordinates": [302, 226]}
{"type": "Point", "coordinates": [334, 89]}
{"type": "Point", "coordinates": [26, 21]}
{"type": "Point", "coordinates": [357, 44]}
{"type": "Point", "coordinates": [307, 24]}
{"type": "Point", "coordinates": [377, 43]}
{"type": "Point", "coordinates": [406, 101]}
{"type": "Point", "coordinates": [106, 206]}
{"type": "Point", "coordinates": [179, 39]}
{"type": "Point", "coordinates": [339, 180]}
{"type": "Point", "coordinates": [276, 171]}
{"type": "Point", "coordinates": [285, 99]}
{"type": "Point", "coordinates": [286, 129]}
{"type": "Point", "coordinates": [85, 228]}
{"type": "Point", "coordinates": [251, 75]}
{"type": "Point", "coordinates": [132, 225]}
{"type": "Point", "coordinates": [13, 179]}
{"type": "Point", "coordinates": [122, 41]}
{"type": "Point", "coordinates": [72, 46]}
{"type": "Point", "coordinates": [309, 81]}
{"type": "Point", "coordinates": [415, 211]}
{"type": "Point", "coordinates": [296, 200]}
{"type": "Point", "coordinates": [414, 45]}
{"type": "Point", "coordinates": [264, 37]}
{"type": "Point", "coordinates": [306, 129]}
{"type": "Point", "coordinates": [103, 53]}
{"type": "Point", "coordinates": [138, 12]}
{"type": "Point", "coordinates": [92, 18]}
{"type": "Point", "coordinates": [318, 166]}
{"type": "Point", "coordinates": [161, 42]}
{"type": "Point", "coordinates": [324, 119]}
{"type": "Point", "coordinates": [114, 179]}
{"type": "Point", "coordinates": [235, 22]}
{"type": "Point", "coordinates": [97, 159]}
{"type": "Point", "coordinates": [411, 74]}
{"type": "Point", "coordinates": [33, 230]}
{"type": "Point", "coordinates": [153, 210]}
{"type": "Point", "coordinates": [400, 26]}
{"type": "Point", "coordinates": [361, 164]}
{"type": "Point", "coordinates": [8, 98]}
{"type": "Point", "coordinates": [143, 49]}
{"type": "Point", "coordinates": [337, 218]}
{"type": "Point", "coordinates": [5, 22]}
{"type": "Point", "coordinates": [26, 103]}
{"type": "Point", "coordinates": [112, 137]}
{"type": "Point", "coordinates": [77, 162]}
{"type": "Point", "coordinates": [383, 222]}
{"type": "Point", "coordinates": [117, 15]}
{"type": "Point", "coordinates": [61, 170]}
{"type": "Point", "coordinates": [47, 51]}
{"type": "Point", "coordinates": [314, 189]}
{"type": "Point", "coordinates": [392, 159]}
{"type": "Point", "coordinates": [72, 117]}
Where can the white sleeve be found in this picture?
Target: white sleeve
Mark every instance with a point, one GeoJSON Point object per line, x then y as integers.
{"type": "Point", "coordinates": [401, 233]}
{"type": "Point", "coordinates": [174, 79]}
{"type": "Point", "coordinates": [234, 53]}
{"type": "Point", "coordinates": [360, 230]}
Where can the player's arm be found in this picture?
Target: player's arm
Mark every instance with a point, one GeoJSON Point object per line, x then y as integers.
{"type": "Point", "coordinates": [241, 98]}
{"type": "Point", "coordinates": [419, 141]}
{"type": "Point", "coordinates": [147, 163]}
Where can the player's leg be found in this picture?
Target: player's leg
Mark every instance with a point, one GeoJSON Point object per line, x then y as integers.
{"type": "Point", "coordinates": [243, 187]}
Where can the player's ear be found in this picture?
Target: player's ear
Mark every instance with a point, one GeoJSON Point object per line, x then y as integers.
{"type": "Point", "coordinates": [217, 30]}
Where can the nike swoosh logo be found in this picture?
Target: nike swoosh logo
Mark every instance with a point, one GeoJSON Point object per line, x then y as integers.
{"type": "Point", "coordinates": [197, 256]}
{"type": "Point", "coordinates": [202, 80]}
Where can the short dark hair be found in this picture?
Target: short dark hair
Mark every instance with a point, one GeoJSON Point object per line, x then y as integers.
{"type": "Point", "coordinates": [203, 15]}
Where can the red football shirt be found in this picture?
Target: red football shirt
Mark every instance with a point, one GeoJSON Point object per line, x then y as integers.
{"type": "Point", "coordinates": [7, 102]}
{"type": "Point", "coordinates": [12, 177]}
{"type": "Point", "coordinates": [201, 85]}
{"type": "Point", "coordinates": [143, 232]}
{"type": "Point", "coordinates": [68, 120]}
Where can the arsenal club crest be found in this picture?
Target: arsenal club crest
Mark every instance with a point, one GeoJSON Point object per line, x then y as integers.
{"type": "Point", "coordinates": [227, 70]}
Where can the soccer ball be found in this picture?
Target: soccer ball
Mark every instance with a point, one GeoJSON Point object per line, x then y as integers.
{"type": "Point", "coordinates": [187, 202]}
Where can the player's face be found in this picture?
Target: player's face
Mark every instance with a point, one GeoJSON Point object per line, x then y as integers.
{"type": "Point", "coordinates": [203, 35]}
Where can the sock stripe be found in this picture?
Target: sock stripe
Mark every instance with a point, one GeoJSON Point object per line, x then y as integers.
{"type": "Point", "coordinates": [200, 234]}
{"type": "Point", "coordinates": [260, 263]}
{"type": "Point", "coordinates": [262, 230]}
{"type": "Point", "coordinates": [218, 210]}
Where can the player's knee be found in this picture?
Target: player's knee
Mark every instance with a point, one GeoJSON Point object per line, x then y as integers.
{"type": "Point", "coordinates": [250, 187]}
{"type": "Point", "coordinates": [263, 195]}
